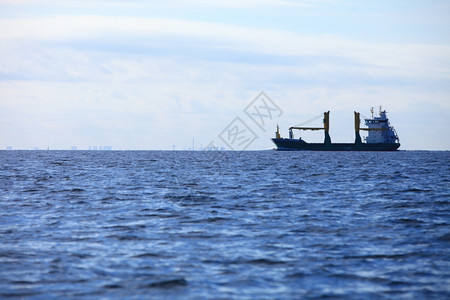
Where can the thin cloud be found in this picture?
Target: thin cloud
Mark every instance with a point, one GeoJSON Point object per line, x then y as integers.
{"type": "Point", "coordinates": [147, 31]}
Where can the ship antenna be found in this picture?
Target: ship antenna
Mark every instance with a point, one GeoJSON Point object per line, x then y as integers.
{"type": "Point", "coordinates": [371, 111]}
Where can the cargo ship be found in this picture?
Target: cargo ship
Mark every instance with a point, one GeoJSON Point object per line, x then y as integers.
{"type": "Point", "coordinates": [381, 136]}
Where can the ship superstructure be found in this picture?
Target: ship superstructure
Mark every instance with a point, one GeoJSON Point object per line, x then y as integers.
{"type": "Point", "coordinates": [380, 131]}
{"type": "Point", "coordinates": [381, 136]}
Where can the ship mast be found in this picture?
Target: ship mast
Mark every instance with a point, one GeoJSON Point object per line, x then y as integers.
{"type": "Point", "coordinates": [357, 128]}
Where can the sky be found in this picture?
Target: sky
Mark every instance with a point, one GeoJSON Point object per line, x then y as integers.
{"type": "Point", "coordinates": [151, 75]}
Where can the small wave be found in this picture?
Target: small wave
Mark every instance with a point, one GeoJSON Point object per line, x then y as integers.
{"type": "Point", "coordinates": [125, 237]}
{"type": "Point", "coordinates": [130, 238]}
{"type": "Point", "coordinates": [112, 286]}
{"type": "Point", "coordinates": [376, 256]}
{"type": "Point", "coordinates": [362, 278]}
{"type": "Point", "coordinates": [31, 190]}
{"type": "Point", "coordinates": [170, 283]}
{"type": "Point", "coordinates": [120, 227]}
{"type": "Point", "coordinates": [44, 178]}
{"type": "Point", "coordinates": [148, 254]}
{"type": "Point", "coordinates": [160, 216]}
{"type": "Point", "coordinates": [297, 275]}
{"type": "Point", "coordinates": [410, 221]}
{"type": "Point", "coordinates": [206, 220]}
{"type": "Point", "coordinates": [81, 255]}
{"type": "Point", "coordinates": [22, 282]}
{"type": "Point", "coordinates": [415, 190]}
{"type": "Point", "coordinates": [319, 174]}
{"type": "Point", "coordinates": [190, 199]}
{"type": "Point", "coordinates": [20, 295]}
{"type": "Point", "coordinates": [265, 261]}
{"type": "Point", "coordinates": [445, 237]}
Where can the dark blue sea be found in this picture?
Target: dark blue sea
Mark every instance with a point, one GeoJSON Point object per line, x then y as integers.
{"type": "Point", "coordinates": [224, 225]}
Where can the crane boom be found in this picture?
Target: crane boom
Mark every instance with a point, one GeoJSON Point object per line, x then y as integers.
{"type": "Point", "coordinates": [306, 128]}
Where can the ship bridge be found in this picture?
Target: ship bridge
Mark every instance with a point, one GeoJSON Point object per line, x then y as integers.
{"type": "Point", "coordinates": [380, 131]}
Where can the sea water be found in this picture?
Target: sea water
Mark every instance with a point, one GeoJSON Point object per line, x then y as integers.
{"type": "Point", "coordinates": [222, 224]}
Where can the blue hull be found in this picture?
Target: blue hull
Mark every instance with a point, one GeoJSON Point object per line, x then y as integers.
{"type": "Point", "coordinates": [298, 145]}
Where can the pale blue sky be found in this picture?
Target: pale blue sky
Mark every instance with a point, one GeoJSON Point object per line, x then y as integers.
{"type": "Point", "coordinates": [151, 74]}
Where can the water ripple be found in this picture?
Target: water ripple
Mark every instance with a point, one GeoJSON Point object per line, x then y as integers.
{"type": "Point", "coordinates": [265, 225]}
